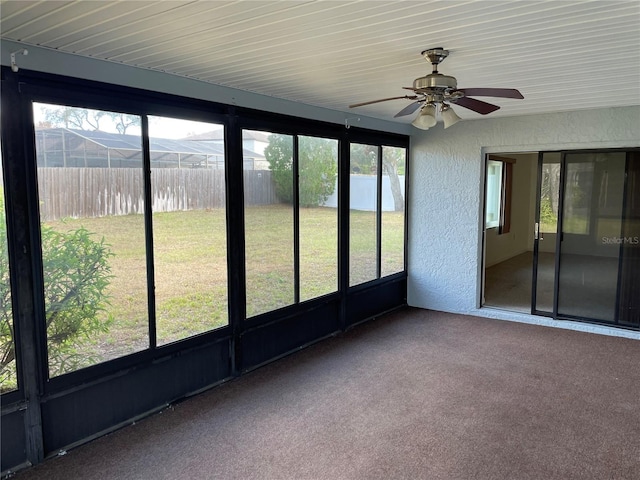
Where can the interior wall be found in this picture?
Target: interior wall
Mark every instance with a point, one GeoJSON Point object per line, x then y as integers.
{"type": "Point", "coordinates": [519, 239]}
{"type": "Point", "coordinates": [446, 191]}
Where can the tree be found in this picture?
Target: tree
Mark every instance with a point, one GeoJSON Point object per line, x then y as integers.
{"type": "Point", "coordinates": [317, 168]}
{"type": "Point", "coordinates": [364, 160]}
{"type": "Point", "coordinates": [124, 121]}
{"type": "Point", "coordinates": [87, 119]}
{"type": "Point", "coordinates": [76, 276]}
{"type": "Point", "coordinates": [70, 117]}
{"type": "Point", "coordinates": [393, 163]}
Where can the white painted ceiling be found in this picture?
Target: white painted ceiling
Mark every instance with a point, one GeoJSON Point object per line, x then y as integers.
{"type": "Point", "coordinates": [562, 55]}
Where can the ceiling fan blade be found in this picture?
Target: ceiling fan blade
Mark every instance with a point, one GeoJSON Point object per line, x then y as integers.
{"type": "Point", "coordinates": [410, 97]}
{"type": "Point", "coordinates": [491, 92]}
{"type": "Point", "coordinates": [409, 109]}
{"type": "Point", "coordinates": [476, 105]}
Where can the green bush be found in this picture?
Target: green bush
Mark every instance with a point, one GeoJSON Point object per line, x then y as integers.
{"type": "Point", "coordinates": [7, 350]}
{"type": "Point", "coordinates": [76, 276]}
{"type": "Point", "coordinates": [317, 165]}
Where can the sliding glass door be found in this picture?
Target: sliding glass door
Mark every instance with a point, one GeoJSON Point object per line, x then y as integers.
{"type": "Point", "coordinates": [629, 298]}
{"type": "Point", "coordinates": [587, 237]}
{"type": "Point", "coordinates": [591, 234]}
{"type": "Point", "coordinates": [546, 232]}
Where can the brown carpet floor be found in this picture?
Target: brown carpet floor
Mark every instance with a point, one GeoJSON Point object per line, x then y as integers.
{"type": "Point", "coordinates": [413, 395]}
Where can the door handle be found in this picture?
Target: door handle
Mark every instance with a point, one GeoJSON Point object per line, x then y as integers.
{"type": "Point", "coordinates": [536, 231]}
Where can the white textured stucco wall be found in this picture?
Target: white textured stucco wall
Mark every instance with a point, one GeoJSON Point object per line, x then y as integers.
{"type": "Point", "coordinates": [445, 196]}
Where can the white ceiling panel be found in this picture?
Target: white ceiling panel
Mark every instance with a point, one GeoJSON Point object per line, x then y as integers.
{"type": "Point", "coordinates": [562, 55]}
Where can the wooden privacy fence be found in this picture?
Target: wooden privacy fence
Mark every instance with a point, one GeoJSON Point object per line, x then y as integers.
{"type": "Point", "coordinates": [97, 192]}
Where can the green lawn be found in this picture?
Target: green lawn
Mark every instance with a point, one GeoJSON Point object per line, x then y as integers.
{"type": "Point", "coordinates": [191, 269]}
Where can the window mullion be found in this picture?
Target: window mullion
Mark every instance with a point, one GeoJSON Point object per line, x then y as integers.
{"type": "Point", "coordinates": [379, 215]}
{"type": "Point", "coordinates": [296, 219]}
{"type": "Point", "coordinates": [148, 222]}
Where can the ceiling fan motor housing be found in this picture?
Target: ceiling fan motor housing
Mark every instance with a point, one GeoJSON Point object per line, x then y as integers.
{"type": "Point", "coordinates": [434, 81]}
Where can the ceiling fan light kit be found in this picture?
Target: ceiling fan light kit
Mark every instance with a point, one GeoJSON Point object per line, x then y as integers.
{"type": "Point", "coordinates": [449, 116]}
{"type": "Point", "coordinates": [427, 117]}
{"type": "Point", "coordinates": [435, 89]}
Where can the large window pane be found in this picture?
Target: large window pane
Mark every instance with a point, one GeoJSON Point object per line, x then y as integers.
{"type": "Point", "coordinates": [268, 202]}
{"type": "Point", "coordinates": [8, 375]}
{"type": "Point", "coordinates": [363, 207]}
{"type": "Point", "coordinates": [90, 184]}
{"type": "Point", "coordinates": [189, 227]}
{"type": "Point", "coordinates": [318, 168]}
{"type": "Point", "coordinates": [393, 174]}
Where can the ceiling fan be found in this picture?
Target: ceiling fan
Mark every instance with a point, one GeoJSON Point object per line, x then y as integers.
{"type": "Point", "coordinates": [435, 92]}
